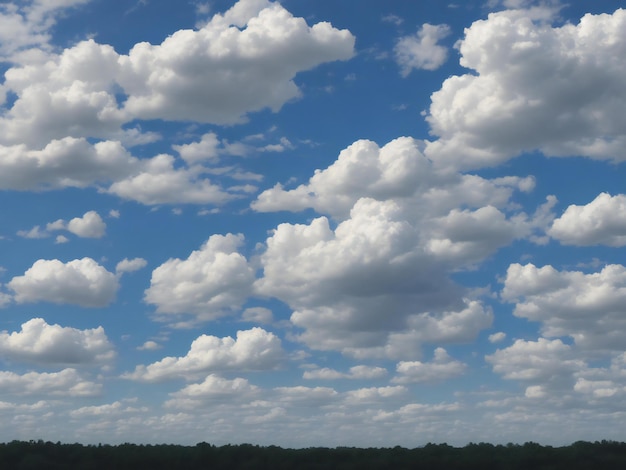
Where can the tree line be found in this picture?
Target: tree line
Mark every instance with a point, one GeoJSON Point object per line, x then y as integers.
{"type": "Point", "coordinates": [606, 455]}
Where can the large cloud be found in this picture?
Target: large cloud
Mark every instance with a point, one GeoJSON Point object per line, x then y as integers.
{"type": "Point", "coordinates": [590, 308]}
{"type": "Point", "coordinates": [403, 225]}
{"type": "Point", "coordinates": [210, 283]}
{"type": "Point", "coordinates": [559, 90]}
{"type": "Point", "coordinates": [254, 349]}
{"type": "Point", "coordinates": [41, 343]}
{"type": "Point", "coordinates": [601, 222]}
{"type": "Point", "coordinates": [65, 383]}
{"type": "Point", "coordinates": [239, 62]}
{"type": "Point", "coordinates": [81, 282]}
{"type": "Point", "coordinates": [242, 61]}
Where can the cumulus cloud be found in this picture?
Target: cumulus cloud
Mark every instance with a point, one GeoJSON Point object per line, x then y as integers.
{"type": "Point", "coordinates": [130, 265]}
{"type": "Point", "coordinates": [249, 56]}
{"type": "Point", "coordinates": [542, 360]}
{"type": "Point", "coordinates": [533, 87]}
{"type": "Point", "coordinates": [422, 51]}
{"type": "Point", "coordinates": [81, 282]}
{"type": "Point", "coordinates": [213, 389]}
{"type": "Point", "coordinates": [441, 368]}
{"type": "Point", "coordinates": [149, 346]}
{"type": "Point", "coordinates": [589, 308]}
{"type": "Point", "coordinates": [65, 383]}
{"type": "Point", "coordinates": [68, 162]}
{"type": "Point", "coordinates": [361, 372]}
{"type": "Point", "coordinates": [254, 349]}
{"type": "Point", "coordinates": [601, 222]}
{"type": "Point", "coordinates": [90, 225]}
{"type": "Point", "coordinates": [212, 282]}
{"type": "Point", "coordinates": [41, 343]}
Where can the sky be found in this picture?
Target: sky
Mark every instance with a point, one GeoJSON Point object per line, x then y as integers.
{"type": "Point", "coordinates": [313, 223]}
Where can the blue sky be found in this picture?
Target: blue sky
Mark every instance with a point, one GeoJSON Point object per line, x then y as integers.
{"type": "Point", "coordinates": [312, 223]}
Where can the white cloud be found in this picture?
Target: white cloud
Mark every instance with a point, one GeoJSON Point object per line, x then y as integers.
{"type": "Point", "coordinates": [249, 56]}
{"type": "Point", "coordinates": [558, 90]}
{"type": "Point", "coordinates": [90, 225]}
{"type": "Point", "coordinates": [254, 349]}
{"type": "Point", "coordinates": [361, 372]}
{"type": "Point", "coordinates": [41, 343]}
{"type": "Point", "coordinates": [81, 282]}
{"type": "Point", "coordinates": [601, 222]}
{"type": "Point", "coordinates": [210, 283]}
{"type": "Point", "coordinates": [65, 383]}
{"type": "Point", "coordinates": [257, 315]}
{"type": "Point", "coordinates": [441, 368]}
{"type": "Point", "coordinates": [590, 308]}
{"type": "Point", "coordinates": [497, 337]}
{"type": "Point", "coordinates": [130, 265]}
{"type": "Point", "coordinates": [33, 233]}
{"type": "Point", "coordinates": [213, 389]}
{"type": "Point", "coordinates": [421, 51]}
{"type": "Point", "coordinates": [542, 360]}
{"type": "Point", "coordinates": [149, 346]}
{"type": "Point", "coordinates": [63, 163]}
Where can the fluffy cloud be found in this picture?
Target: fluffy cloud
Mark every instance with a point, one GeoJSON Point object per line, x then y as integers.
{"type": "Point", "coordinates": [90, 225]}
{"type": "Point", "coordinates": [65, 383]}
{"type": "Point", "coordinates": [356, 372]}
{"type": "Point", "coordinates": [81, 282]}
{"type": "Point", "coordinates": [421, 51]}
{"type": "Point", "coordinates": [26, 24]}
{"type": "Point", "coordinates": [68, 162]}
{"type": "Point", "coordinates": [159, 182]}
{"type": "Point", "coordinates": [130, 265]}
{"type": "Point", "coordinates": [542, 360]}
{"type": "Point", "coordinates": [442, 367]}
{"type": "Point", "coordinates": [601, 222]}
{"type": "Point", "coordinates": [590, 308]}
{"type": "Point", "coordinates": [39, 342]}
{"type": "Point", "coordinates": [248, 56]}
{"type": "Point", "coordinates": [210, 283]}
{"type": "Point", "coordinates": [213, 389]}
{"type": "Point", "coordinates": [558, 90]}
{"type": "Point", "coordinates": [254, 349]}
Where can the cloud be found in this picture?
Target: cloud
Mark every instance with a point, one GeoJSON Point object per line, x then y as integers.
{"type": "Point", "coordinates": [441, 368]}
{"type": "Point", "coordinates": [254, 349]}
{"type": "Point", "coordinates": [361, 372]}
{"type": "Point", "coordinates": [62, 163]}
{"type": "Point", "coordinates": [80, 282]}
{"type": "Point", "coordinates": [65, 383]}
{"type": "Point", "coordinates": [497, 337]}
{"type": "Point", "coordinates": [213, 389]}
{"type": "Point", "coordinates": [533, 87]}
{"type": "Point", "coordinates": [248, 56]}
{"type": "Point", "coordinates": [160, 182]}
{"type": "Point", "coordinates": [212, 282]}
{"type": "Point", "coordinates": [41, 343]}
{"type": "Point", "coordinates": [601, 222]}
{"type": "Point", "coordinates": [33, 233]}
{"type": "Point", "coordinates": [26, 24]}
{"type": "Point", "coordinates": [590, 308]}
{"type": "Point", "coordinates": [90, 225]}
{"type": "Point", "coordinates": [421, 51]}
{"type": "Point", "coordinates": [130, 265]}
{"type": "Point", "coordinates": [149, 346]}
{"type": "Point", "coordinates": [542, 360]}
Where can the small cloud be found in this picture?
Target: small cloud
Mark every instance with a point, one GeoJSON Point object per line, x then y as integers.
{"type": "Point", "coordinates": [422, 51]}
{"type": "Point", "coordinates": [33, 233]}
{"type": "Point", "coordinates": [114, 214]}
{"type": "Point", "coordinates": [497, 337]}
{"type": "Point", "coordinates": [128, 266]}
{"type": "Point", "coordinates": [61, 239]}
{"type": "Point", "coordinates": [392, 19]}
{"type": "Point", "coordinates": [149, 346]}
{"type": "Point", "coordinates": [257, 315]}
